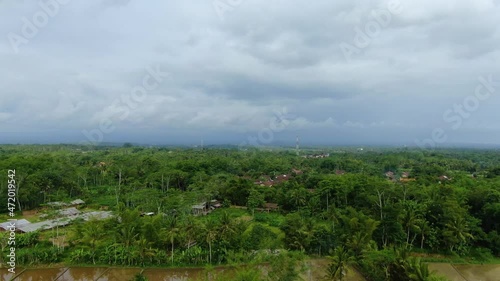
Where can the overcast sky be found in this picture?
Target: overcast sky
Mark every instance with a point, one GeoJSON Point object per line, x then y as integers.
{"type": "Point", "coordinates": [261, 71]}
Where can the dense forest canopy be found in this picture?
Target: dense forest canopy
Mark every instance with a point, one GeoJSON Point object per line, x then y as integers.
{"type": "Point", "coordinates": [331, 201]}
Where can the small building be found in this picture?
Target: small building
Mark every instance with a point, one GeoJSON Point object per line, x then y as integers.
{"type": "Point", "coordinates": [44, 225]}
{"type": "Point", "coordinates": [98, 215]}
{"type": "Point", "coordinates": [5, 226]}
{"type": "Point", "coordinates": [271, 207]}
{"type": "Point", "coordinates": [268, 183]}
{"type": "Point", "coordinates": [69, 212]}
{"type": "Point", "coordinates": [57, 204]}
{"type": "Point", "coordinates": [199, 209]}
{"type": "Point", "coordinates": [77, 202]}
{"type": "Point", "coordinates": [444, 178]}
{"type": "Point", "coordinates": [282, 178]}
{"type": "Point", "coordinates": [215, 204]}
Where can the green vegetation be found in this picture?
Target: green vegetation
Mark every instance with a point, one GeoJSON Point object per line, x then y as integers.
{"type": "Point", "coordinates": [380, 211]}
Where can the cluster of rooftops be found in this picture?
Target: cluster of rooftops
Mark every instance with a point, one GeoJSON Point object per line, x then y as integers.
{"type": "Point", "coordinates": [204, 208]}
{"type": "Point", "coordinates": [266, 180]}
{"type": "Point", "coordinates": [321, 155]}
{"type": "Point", "coordinates": [64, 217]}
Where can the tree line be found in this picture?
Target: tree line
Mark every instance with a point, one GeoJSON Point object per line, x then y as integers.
{"type": "Point", "coordinates": [344, 206]}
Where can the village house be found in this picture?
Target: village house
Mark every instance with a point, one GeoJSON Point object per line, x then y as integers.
{"type": "Point", "coordinates": [57, 204]}
{"type": "Point", "coordinates": [205, 208]}
{"type": "Point", "coordinates": [69, 215]}
{"type": "Point", "coordinates": [316, 156]}
{"type": "Point", "coordinates": [77, 202]}
{"type": "Point", "coordinates": [199, 209]}
{"type": "Point", "coordinates": [271, 207]}
{"type": "Point", "coordinates": [339, 172]}
{"type": "Point", "coordinates": [5, 226]}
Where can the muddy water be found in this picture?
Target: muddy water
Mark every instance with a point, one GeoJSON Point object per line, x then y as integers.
{"type": "Point", "coordinates": [39, 274]}
{"type": "Point", "coordinates": [6, 275]}
{"type": "Point", "coordinates": [452, 272]}
{"type": "Point", "coordinates": [118, 274]}
{"type": "Point", "coordinates": [467, 272]}
{"type": "Point", "coordinates": [447, 270]}
{"type": "Point", "coordinates": [82, 273]}
{"type": "Point", "coordinates": [174, 274]}
{"type": "Point", "coordinates": [317, 269]}
{"type": "Point", "coordinates": [153, 274]}
{"type": "Point", "coordinates": [489, 272]}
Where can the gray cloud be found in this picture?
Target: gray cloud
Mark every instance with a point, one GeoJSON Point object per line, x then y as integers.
{"type": "Point", "coordinates": [229, 76]}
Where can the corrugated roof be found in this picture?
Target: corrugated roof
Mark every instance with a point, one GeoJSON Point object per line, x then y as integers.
{"type": "Point", "coordinates": [68, 212]}
{"type": "Point", "coordinates": [44, 225]}
{"type": "Point", "coordinates": [49, 224]}
{"type": "Point", "coordinates": [99, 215]}
{"type": "Point", "coordinates": [77, 202]}
{"type": "Point", "coordinates": [57, 204]}
{"type": "Point", "coordinates": [18, 223]}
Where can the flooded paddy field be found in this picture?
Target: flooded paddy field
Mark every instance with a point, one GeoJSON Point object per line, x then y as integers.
{"type": "Point", "coordinates": [467, 272]}
{"type": "Point", "coordinates": [454, 272]}
{"type": "Point", "coordinates": [153, 274]}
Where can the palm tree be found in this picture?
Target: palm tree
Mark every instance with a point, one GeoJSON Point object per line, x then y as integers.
{"type": "Point", "coordinates": [92, 233]}
{"type": "Point", "coordinates": [297, 197]}
{"type": "Point", "coordinates": [172, 232]}
{"type": "Point", "coordinates": [226, 228]}
{"type": "Point", "coordinates": [332, 215]}
{"type": "Point", "coordinates": [210, 232]}
{"type": "Point", "coordinates": [423, 229]}
{"type": "Point", "coordinates": [144, 249]}
{"type": "Point", "coordinates": [190, 229]}
{"type": "Point", "coordinates": [418, 271]}
{"type": "Point", "coordinates": [457, 232]}
{"type": "Point", "coordinates": [341, 259]}
{"type": "Point", "coordinates": [410, 222]}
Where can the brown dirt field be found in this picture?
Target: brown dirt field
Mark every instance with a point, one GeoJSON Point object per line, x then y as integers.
{"type": "Point", "coordinates": [29, 215]}
{"type": "Point", "coordinates": [467, 272]}
{"type": "Point", "coordinates": [426, 255]}
{"type": "Point", "coordinates": [446, 270]}
{"type": "Point", "coordinates": [490, 272]}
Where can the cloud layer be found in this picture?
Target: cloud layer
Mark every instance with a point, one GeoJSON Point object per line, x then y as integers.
{"type": "Point", "coordinates": [233, 64]}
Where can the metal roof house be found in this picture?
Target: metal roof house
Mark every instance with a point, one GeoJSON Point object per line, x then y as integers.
{"type": "Point", "coordinates": [68, 212]}
{"type": "Point", "coordinates": [44, 225]}
{"type": "Point", "coordinates": [57, 204]}
{"type": "Point", "coordinates": [77, 202]}
{"type": "Point", "coordinates": [99, 215]}
{"type": "Point", "coordinates": [199, 209]}
{"type": "Point", "coordinates": [18, 223]}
